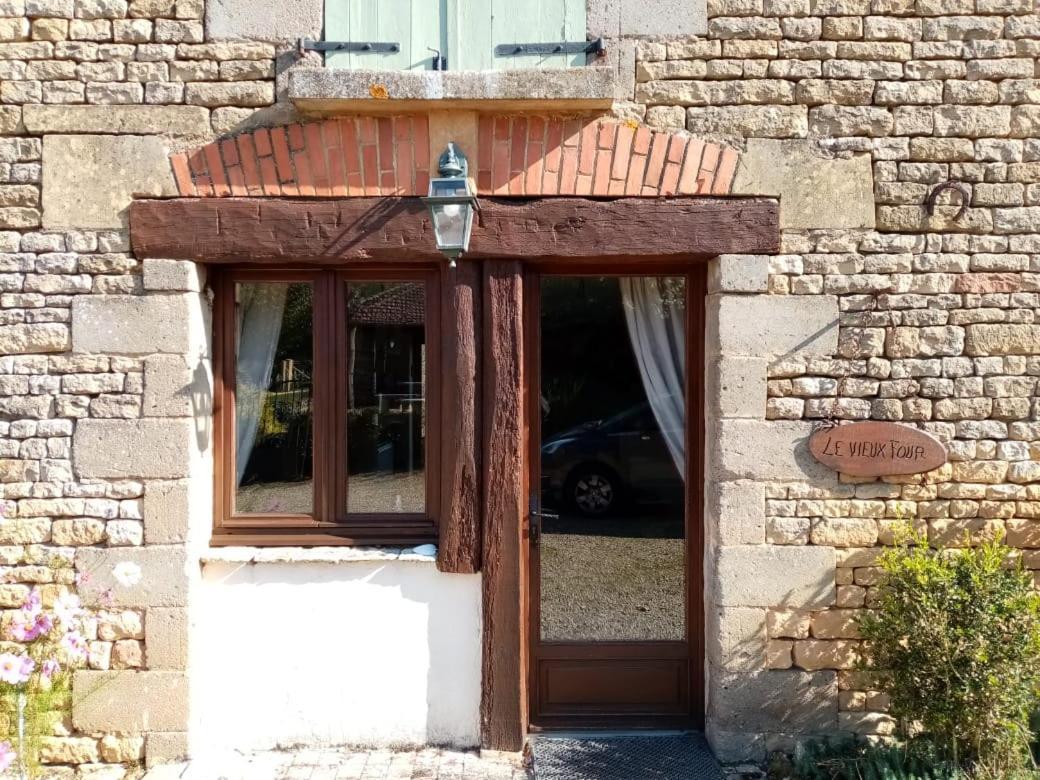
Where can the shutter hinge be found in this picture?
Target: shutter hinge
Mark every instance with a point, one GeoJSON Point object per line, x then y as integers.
{"type": "Point", "coordinates": [356, 47]}
{"type": "Point", "coordinates": [567, 47]}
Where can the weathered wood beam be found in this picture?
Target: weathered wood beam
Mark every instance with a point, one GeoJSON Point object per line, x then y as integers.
{"type": "Point", "coordinates": [503, 705]}
{"type": "Point", "coordinates": [460, 536]}
{"type": "Point", "coordinates": [258, 230]}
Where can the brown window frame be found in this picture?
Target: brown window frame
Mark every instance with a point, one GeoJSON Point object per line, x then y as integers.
{"type": "Point", "coordinates": [330, 524]}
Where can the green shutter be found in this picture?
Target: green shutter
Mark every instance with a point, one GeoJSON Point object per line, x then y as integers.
{"type": "Point", "coordinates": [418, 25]}
{"type": "Point", "coordinates": [465, 31]}
{"type": "Point", "coordinates": [483, 26]}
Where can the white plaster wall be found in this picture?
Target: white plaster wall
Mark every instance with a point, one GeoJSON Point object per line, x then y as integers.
{"type": "Point", "coordinates": [361, 652]}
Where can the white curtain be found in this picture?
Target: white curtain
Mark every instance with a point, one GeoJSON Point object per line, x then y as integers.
{"type": "Point", "coordinates": [259, 323]}
{"type": "Point", "coordinates": [655, 310]}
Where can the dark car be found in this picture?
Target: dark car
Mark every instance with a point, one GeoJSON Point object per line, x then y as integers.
{"type": "Point", "coordinates": [601, 465]}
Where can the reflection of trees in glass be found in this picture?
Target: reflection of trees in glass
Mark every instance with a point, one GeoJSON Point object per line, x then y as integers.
{"type": "Point", "coordinates": [297, 338]}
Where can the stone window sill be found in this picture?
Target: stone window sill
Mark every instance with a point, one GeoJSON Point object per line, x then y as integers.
{"type": "Point", "coordinates": [330, 90]}
{"type": "Point", "coordinates": [426, 553]}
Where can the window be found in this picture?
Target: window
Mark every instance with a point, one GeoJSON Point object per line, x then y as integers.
{"type": "Point", "coordinates": [326, 423]}
{"type": "Point", "coordinates": [463, 31]}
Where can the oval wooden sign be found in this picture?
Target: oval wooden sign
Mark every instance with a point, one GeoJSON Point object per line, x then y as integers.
{"type": "Point", "coordinates": [873, 448]}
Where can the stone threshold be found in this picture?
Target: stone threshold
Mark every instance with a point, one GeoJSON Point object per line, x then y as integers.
{"type": "Point", "coordinates": [330, 90]}
{"type": "Point", "coordinates": [426, 553]}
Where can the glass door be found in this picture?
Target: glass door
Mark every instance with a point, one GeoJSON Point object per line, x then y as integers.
{"type": "Point", "coordinates": [611, 556]}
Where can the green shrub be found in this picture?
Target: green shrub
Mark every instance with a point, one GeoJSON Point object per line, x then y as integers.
{"type": "Point", "coordinates": [856, 759]}
{"type": "Point", "coordinates": [956, 637]}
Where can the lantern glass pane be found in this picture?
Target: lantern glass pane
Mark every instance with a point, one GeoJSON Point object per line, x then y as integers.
{"type": "Point", "coordinates": [449, 223]}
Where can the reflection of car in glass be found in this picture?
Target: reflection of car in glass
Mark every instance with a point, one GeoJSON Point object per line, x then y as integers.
{"type": "Point", "coordinates": [597, 466]}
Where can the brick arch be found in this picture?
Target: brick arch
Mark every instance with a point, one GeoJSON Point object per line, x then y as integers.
{"type": "Point", "coordinates": [523, 156]}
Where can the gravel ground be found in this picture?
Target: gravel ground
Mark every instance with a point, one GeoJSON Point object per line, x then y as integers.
{"type": "Point", "coordinates": [368, 493]}
{"type": "Point", "coordinates": [619, 578]}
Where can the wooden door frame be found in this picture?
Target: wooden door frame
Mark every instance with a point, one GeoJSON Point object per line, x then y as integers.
{"type": "Point", "coordinates": [695, 291]}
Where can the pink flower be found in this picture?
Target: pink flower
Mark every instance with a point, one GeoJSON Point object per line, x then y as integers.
{"type": "Point", "coordinates": [49, 668]}
{"type": "Point", "coordinates": [67, 609]}
{"type": "Point", "coordinates": [15, 669]}
{"type": "Point", "coordinates": [7, 756]}
{"type": "Point", "coordinates": [26, 628]}
{"type": "Point", "coordinates": [74, 645]}
{"type": "Point", "coordinates": [33, 602]}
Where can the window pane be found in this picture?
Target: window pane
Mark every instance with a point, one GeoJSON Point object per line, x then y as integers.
{"type": "Point", "coordinates": [613, 454]}
{"type": "Point", "coordinates": [273, 393]}
{"type": "Point", "coordinates": [386, 414]}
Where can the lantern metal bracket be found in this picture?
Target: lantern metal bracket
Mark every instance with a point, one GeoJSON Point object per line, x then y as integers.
{"type": "Point", "coordinates": [594, 46]}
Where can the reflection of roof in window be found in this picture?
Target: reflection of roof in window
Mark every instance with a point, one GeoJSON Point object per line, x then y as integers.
{"type": "Point", "coordinates": [398, 304]}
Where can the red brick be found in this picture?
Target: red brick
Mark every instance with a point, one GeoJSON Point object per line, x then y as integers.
{"type": "Point", "coordinates": [262, 138]}
{"type": "Point", "coordinates": [200, 172]}
{"type": "Point", "coordinates": [351, 157]}
{"type": "Point", "coordinates": [250, 166]}
{"type": "Point", "coordinates": [535, 156]}
{"type": "Point", "coordinates": [283, 161]}
{"type": "Point", "coordinates": [569, 171]}
{"type": "Point", "coordinates": [601, 179]}
{"type": "Point", "coordinates": [622, 153]}
{"type": "Point", "coordinates": [691, 167]}
{"type": "Point", "coordinates": [405, 158]}
{"type": "Point", "coordinates": [337, 173]}
{"type": "Point", "coordinates": [553, 157]}
{"type": "Point", "coordinates": [641, 143]}
{"type": "Point", "coordinates": [387, 169]}
{"type": "Point", "coordinates": [316, 150]}
{"type": "Point", "coordinates": [709, 162]}
{"type": "Point", "coordinates": [606, 136]}
{"type": "Point", "coordinates": [587, 156]}
{"type": "Point", "coordinates": [485, 139]}
{"type": "Point", "coordinates": [655, 163]}
{"type": "Point", "coordinates": [182, 173]}
{"type": "Point", "coordinates": [724, 173]}
{"type": "Point", "coordinates": [517, 156]}
{"type": "Point", "coordinates": [672, 166]}
{"type": "Point", "coordinates": [296, 139]}
{"type": "Point", "coordinates": [236, 178]}
{"type": "Point", "coordinates": [304, 174]}
{"type": "Point", "coordinates": [421, 145]}
{"type": "Point", "coordinates": [269, 176]}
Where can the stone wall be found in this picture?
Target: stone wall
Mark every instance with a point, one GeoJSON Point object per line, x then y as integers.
{"type": "Point", "coordinates": [833, 100]}
{"type": "Point", "coordinates": [105, 386]}
{"type": "Point", "coordinates": [849, 111]}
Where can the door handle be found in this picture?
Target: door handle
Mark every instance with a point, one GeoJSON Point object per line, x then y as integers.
{"type": "Point", "coordinates": [534, 520]}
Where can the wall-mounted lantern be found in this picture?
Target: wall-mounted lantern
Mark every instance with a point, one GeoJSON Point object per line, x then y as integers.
{"type": "Point", "coordinates": [452, 202]}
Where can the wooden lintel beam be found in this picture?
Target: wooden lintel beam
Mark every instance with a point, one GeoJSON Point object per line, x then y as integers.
{"type": "Point", "coordinates": [326, 232]}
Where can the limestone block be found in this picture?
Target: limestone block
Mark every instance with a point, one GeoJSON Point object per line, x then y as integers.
{"type": "Point", "coordinates": [773, 326]}
{"type": "Point", "coordinates": [68, 750]}
{"type": "Point", "coordinates": [172, 275]}
{"type": "Point", "coordinates": [662, 17]}
{"type": "Point", "coordinates": [118, 449]}
{"type": "Point", "coordinates": [118, 120]}
{"type": "Point", "coordinates": [815, 191]}
{"type": "Point", "coordinates": [167, 638]}
{"type": "Point", "coordinates": [27, 339]}
{"type": "Point", "coordinates": [736, 512]}
{"type": "Point", "coordinates": [775, 576]}
{"type": "Point", "coordinates": [741, 121]}
{"type": "Point", "coordinates": [736, 638]}
{"type": "Point", "coordinates": [177, 386]}
{"type": "Point", "coordinates": [137, 325]}
{"type": "Point", "coordinates": [129, 701]}
{"type": "Point", "coordinates": [89, 181]}
{"type": "Point", "coordinates": [774, 701]}
{"type": "Point", "coordinates": [264, 20]}
{"type": "Point", "coordinates": [739, 274]}
{"type": "Point", "coordinates": [166, 747]}
{"type": "Point", "coordinates": [733, 747]}
{"type": "Point", "coordinates": [737, 387]}
{"type": "Point", "coordinates": [990, 339]}
{"type": "Point", "coordinates": [760, 449]}
{"type": "Point", "coordinates": [167, 510]}
{"type": "Point", "coordinates": [163, 583]}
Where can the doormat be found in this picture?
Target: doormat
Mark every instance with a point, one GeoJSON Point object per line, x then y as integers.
{"type": "Point", "coordinates": [665, 757]}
